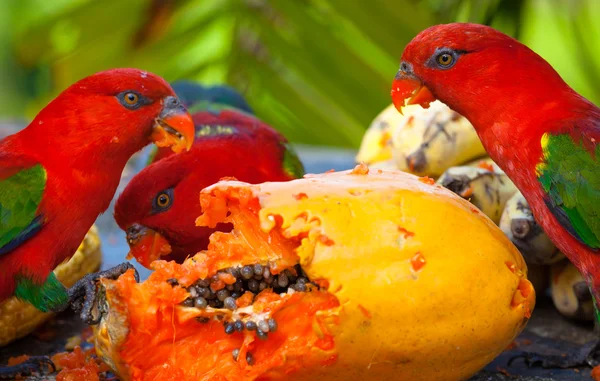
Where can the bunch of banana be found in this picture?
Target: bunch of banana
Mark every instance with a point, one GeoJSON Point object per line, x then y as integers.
{"type": "Point", "coordinates": [518, 224]}
{"type": "Point", "coordinates": [486, 186]}
{"type": "Point", "coordinates": [19, 318]}
{"type": "Point", "coordinates": [570, 292]}
{"type": "Point", "coordinates": [424, 142]}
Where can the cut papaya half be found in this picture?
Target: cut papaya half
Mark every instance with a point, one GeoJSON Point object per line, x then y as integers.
{"type": "Point", "coordinates": [354, 275]}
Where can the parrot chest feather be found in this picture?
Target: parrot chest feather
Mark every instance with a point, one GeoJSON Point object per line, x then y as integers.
{"type": "Point", "coordinates": [89, 188]}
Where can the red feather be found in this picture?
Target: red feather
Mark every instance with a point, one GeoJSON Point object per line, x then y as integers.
{"type": "Point", "coordinates": [512, 97]}
{"type": "Point", "coordinates": [83, 139]}
{"type": "Point", "coordinates": [254, 154]}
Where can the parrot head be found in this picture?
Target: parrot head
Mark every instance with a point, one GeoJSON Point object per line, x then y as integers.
{"type": "Point", "coordinates": [476, 70]}
{"type": "Point", "coordinates": [159, 206]}
{"type": "Point", "coordinates": [208, 105]}
{"type": "Point", "coordinates": [117, 108]}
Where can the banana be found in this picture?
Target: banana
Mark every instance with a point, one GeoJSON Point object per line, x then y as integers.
{"type": "Point", "coordinates": [433, 140]}
{"type": "Point", "coordinates": [376, 144]}
{"type": "Point", "coordinates": [487, 189]}
{"type": "Point", "coordinates": [424, 142]}
{"type": "Point", "coordinates": [388, 165]}
{"type": "Point", "coordinates": [570, 293]}
{"type": "Point", "coordinates": [19, 318]}
{"type": "Point", "coordinates": [485, 162]}
{"type": "Point", "coordinates": [518, 224]}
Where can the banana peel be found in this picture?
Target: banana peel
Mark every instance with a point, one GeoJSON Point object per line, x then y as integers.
{"type": "Point", "coordinates": [485, 162]}
{"type": "Point", "coordinates": [488, 188]}
{"type": "Point", "coordinates": [19, 318]}
{"type": "Point", "coordinates": [570, 292]}
{"type": "Point", "coordinates": [376, 145]}
{"type": "Point", "coordinates": [518, 223]}
{"type": "Point", "coordinates": [423, 142]}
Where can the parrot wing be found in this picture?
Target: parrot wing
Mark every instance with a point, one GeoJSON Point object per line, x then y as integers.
{"type": "Point", "coordinates": [292, 165]}
{"type": "Point", "coordinates": [22, 184]}
{"type": "Point", "coordinates": [250, 130]}
{"type": "Point", "coordinates": [570, 175]}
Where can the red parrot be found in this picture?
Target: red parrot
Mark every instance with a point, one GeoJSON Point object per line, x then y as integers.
{"type": "Point", "coordinates": [159, 206]}
{"type": "Point", "coordinates": [62, 170]}
{"type": "Point", "coordinates": [541, 132]}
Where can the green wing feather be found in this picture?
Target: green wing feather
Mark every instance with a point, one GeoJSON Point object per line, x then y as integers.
{"type": "Point", "coordinates": [21, 193]}
{"type": "Point", "coordinates": [570, 175]}
{"type": "Point", "coordinates": [49, 296]}
{"type": "Point", "coordinates": [20, 197]}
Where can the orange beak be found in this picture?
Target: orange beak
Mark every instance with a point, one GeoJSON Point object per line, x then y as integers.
{"type": "Point", "coordinates": [146, 245]}
{"type": "Point", "coordinates": [174, 126]}
{"type": "Point", "coordinates": [407, 89]}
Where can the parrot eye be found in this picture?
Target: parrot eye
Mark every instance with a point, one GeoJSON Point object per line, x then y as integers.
{"type": "Point", "coordinates": [444, 58]}
{"type": "Point", "coordinates": [163, 201]}
{"type": "Point", "coordinates": [131, 100]}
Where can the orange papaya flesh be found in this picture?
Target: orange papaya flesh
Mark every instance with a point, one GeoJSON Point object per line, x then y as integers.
{"type": "Point", "coordinates": [187, 340]}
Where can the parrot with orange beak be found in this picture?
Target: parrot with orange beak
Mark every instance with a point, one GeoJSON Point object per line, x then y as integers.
{"type": "Point", "coordinates": [62, 170]}
{"type": "Point", "coordinates": [159, 206]}
{"type": "Point", "coordinates": [541, 132]}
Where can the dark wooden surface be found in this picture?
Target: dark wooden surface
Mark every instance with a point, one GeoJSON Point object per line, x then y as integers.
{"type": "Point", "coordinates": [547, 331]}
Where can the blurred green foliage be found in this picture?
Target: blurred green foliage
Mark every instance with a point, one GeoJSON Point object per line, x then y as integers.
{"type": "Point", "coordinates": [318, 70]}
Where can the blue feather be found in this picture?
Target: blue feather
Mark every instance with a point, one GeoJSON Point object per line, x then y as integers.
{"type": "Point", "coordinates": [30, 231]}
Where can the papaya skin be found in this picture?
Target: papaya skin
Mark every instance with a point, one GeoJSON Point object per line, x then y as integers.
{"type": "Point", "coordinates": [427, 286]}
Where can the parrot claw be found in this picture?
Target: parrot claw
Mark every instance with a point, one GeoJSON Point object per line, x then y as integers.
{"type": "Point", "coordinates": [588, 355]}
{"type": "Point", "coordinates": [34, 364]}
{"type": "Point", "coordinates": [82, 296]}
